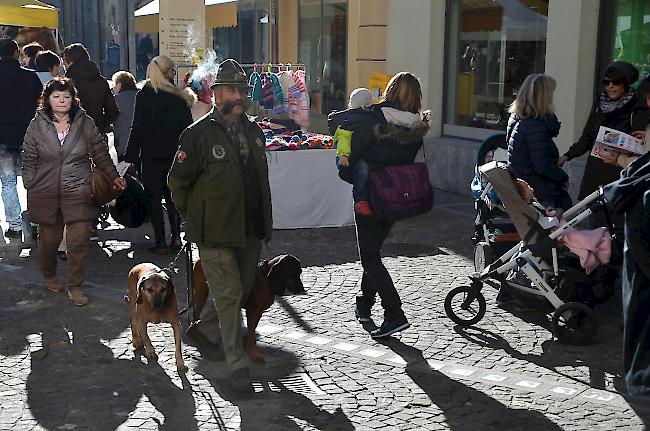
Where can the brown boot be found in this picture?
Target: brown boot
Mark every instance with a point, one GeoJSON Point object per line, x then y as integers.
{"type": "Point", "coordinates": [54, 285]}
{"type": "Point", "coordinates": [77, 296]}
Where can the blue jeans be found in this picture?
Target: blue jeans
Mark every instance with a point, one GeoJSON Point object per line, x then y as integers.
{"type": "Point", "coordinates": [8, 177]}
{"type": "Point", "coordinates": [360, 187]}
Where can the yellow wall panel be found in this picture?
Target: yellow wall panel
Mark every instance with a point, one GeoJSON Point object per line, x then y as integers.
{"type": "Point", "coordinates": [371, 43]}
{"type": "Point", "coordinates": [373, 12]}
{"type": "Point", "coordinates": [287, 31]}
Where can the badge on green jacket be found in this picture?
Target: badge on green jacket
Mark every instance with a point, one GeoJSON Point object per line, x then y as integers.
{"type": "Point", "coordinates": [218, 152]}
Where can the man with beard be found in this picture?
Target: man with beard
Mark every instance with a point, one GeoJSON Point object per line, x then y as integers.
{"type": "Point", "coordinates": [219, 183]}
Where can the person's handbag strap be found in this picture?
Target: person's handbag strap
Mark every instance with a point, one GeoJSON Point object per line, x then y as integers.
{"type": "Point", "coordinates": [90, 156]}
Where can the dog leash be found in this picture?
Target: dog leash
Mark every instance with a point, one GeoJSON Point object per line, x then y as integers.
{"type": "Point", "coordinates": [190, 282]}
{"type": "Point", "coordinates": [169, 269]}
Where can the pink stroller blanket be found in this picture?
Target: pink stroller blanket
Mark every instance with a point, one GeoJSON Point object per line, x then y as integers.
{"type": "Point", "coordinates": [593, 247]}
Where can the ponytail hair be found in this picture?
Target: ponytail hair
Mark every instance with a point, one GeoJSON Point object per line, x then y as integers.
{"type": "Point", "coordinates": [156, 74]}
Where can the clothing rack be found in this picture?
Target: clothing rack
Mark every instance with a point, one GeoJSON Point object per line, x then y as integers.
{"type": "Point", "coordinates": [264, 67]}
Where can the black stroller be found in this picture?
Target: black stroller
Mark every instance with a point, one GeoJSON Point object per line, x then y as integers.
{"type": "Point", "coordinates": [494, 233]}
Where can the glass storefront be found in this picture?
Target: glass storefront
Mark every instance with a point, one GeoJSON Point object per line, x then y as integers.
{"type": "Point", "coordinates": [322, 48]}
{"type": "Point", "coordinates": [248, 42]}
{"type": "Point", "coordinates": [491, 47]}
{"type": "Point", "coordinates": [628, 22]}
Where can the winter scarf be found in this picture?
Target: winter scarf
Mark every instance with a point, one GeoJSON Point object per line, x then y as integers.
{"type": "Point", "coordinates": [608, 105]}
{"type": "Point", "coordinates": [255, 82]}
{"type": "Point", "coordinates": [267, 92]}
{"type": "Point", "coordinates": [279, 107]}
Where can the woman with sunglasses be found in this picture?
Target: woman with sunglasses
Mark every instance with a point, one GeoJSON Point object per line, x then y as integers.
{"type": "Point", "coordinates": [618, 107]}
{"type": "Point", "coordinates": [161, 113]}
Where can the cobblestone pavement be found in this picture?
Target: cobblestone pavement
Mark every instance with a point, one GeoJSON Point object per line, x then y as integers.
{"type": "Point", "coordinates": [72, 368]}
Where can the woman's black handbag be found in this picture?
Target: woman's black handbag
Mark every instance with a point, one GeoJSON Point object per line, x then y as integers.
{"type": "Point", "coordinates": [133, 207]}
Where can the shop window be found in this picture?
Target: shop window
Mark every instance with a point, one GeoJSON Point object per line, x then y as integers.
{"type": "Point", "coordinates": [322, 48]}
{"type": "Point", "coordinates": [254, 39]}
{"type": "Point", "coordinates": [491, 47]}
{"type": "Point", "coordinates": [629, 38]}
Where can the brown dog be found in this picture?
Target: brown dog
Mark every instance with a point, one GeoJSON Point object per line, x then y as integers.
{"type": "Point", "coordinates": [153, 299]}
{"type": "Point", "coordinates": [274, 277]}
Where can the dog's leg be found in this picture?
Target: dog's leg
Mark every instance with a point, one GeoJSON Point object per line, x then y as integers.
{"type": "Point", "coordinates": [136, 340]}
{"type": "Point", "coordinates": [252, 319]}
{"type": "Point", "coordinates": [149, 351]}
{"type": "Point", "coordinates": [180, 364]}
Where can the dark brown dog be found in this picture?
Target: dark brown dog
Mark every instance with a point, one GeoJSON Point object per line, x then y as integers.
{"type": "Point", "coordinates": [274, 277]}
{"type": "Point", "coordinates": [153, 299]}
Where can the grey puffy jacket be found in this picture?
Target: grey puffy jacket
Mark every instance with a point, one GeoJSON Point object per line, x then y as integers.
{"type": "Point", "coordinates": [57, 177]}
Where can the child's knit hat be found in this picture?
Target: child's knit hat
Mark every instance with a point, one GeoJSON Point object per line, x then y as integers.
{"type": "Point", "coordinates": [360, 98]}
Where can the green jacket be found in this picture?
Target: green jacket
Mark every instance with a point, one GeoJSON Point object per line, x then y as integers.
{"type": "Point", "coordinates": [207, 182]}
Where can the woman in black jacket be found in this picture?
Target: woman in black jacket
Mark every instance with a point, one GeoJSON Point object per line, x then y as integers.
{"type": "Point", "coordinates": [161, 114]}
{"type": "Point", "coordinates": [531, 151]}
{"type": "Point", "coordinates": [391, 136]}
{"type": "Point", "coordinates": [617, 107]}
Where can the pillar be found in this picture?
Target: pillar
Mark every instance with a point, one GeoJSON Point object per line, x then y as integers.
{"type": "Point", "coordinates": [367, 39]}
{"type": "Point", "coordinates": [416, 44]}
{"type": "Point", "coordinates": [571, 52]}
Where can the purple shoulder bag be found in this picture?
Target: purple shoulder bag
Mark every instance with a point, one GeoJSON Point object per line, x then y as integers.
{"type": "Point", "coordinates": [400, 192]}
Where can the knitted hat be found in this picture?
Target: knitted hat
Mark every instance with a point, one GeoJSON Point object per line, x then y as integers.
{"type": "Point", "coordinates": [622, 70]}
{"type": "Point", "coordinates": [360, 98]}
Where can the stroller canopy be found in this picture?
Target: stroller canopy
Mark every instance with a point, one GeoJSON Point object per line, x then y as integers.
{"type": "Point", "coordinates": [522, 214]}
{"type": "Point", "coordinates": [491, 143]}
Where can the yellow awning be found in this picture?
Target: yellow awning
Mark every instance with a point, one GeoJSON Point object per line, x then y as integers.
{"type": "Point", "coordinates": [24, 13]}
{"type": "Point", "coordinates": [219, 13]}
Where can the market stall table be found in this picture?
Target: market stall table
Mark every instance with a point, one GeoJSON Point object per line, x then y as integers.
{"type": "Point", "coordinates": [306, 190]}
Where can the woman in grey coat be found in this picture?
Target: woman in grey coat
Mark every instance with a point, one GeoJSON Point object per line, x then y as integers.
{"type": "Point", "coordinates": [125, 92]}
{"type": "Point", "coordinates": [56, 174]}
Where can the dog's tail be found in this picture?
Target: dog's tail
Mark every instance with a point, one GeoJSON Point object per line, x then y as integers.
{"type": "Point", "coordinates": [127, 299]}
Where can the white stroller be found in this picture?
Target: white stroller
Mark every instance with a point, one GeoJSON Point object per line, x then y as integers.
{"type": "Point", "coordinates": [539, 256]}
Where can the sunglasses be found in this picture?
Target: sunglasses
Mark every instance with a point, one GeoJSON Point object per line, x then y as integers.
{"type": "Point", "coordinates": [614, 82]}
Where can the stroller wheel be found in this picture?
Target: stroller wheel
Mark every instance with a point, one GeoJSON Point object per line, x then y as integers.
{"type": "Point", "coordinates": [574, 323]}
{"type": "Point", "coordinates": [461, 312]}
{"type": "Point", "coordinates": [483, 256]}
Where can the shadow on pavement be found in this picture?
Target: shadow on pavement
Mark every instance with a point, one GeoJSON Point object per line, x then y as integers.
{"type": "Point", "coordinates": [276, 407]}
{"type": "Point", "coordinates": [554, 355]}
{"type": "Point", "coordinates": [466, 408]}
{"type": "Point", "coordinates": [77, 382]}
{"type": "Point", "coordinates": [294, 314]}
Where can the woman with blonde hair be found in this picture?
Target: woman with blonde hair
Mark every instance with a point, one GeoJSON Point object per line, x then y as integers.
{"type": "Point", "coordinates": [391, 135]}
{"type": "Point", "coordinates": [532, 153]}
{"type": "Point", "coordinates": [161, 114]}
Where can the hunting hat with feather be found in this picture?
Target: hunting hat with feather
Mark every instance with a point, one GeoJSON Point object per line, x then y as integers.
{"type": "Point", "coordinates": [230, 73]}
